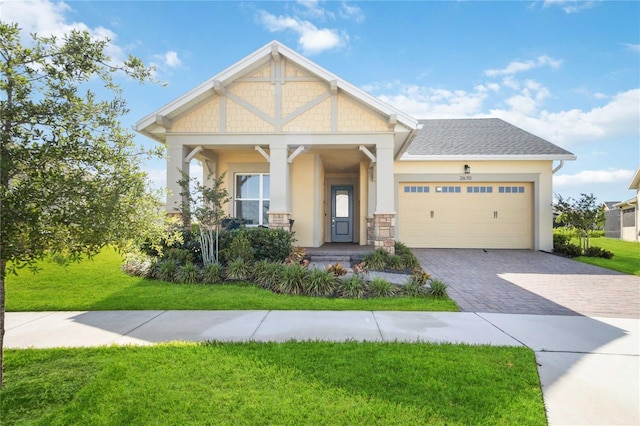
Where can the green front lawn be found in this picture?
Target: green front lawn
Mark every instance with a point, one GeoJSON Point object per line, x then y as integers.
{"type": "Point", "coordinates": [99, 284]}
{"type": "Point", "coordinates": [626, 255]}
{"type": "Point", "coordinates": [267, 383]}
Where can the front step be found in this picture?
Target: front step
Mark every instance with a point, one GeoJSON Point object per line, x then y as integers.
{"type": "Point", "coordinates": [331, 259]}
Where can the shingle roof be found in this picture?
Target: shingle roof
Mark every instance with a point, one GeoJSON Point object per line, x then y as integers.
{"type": "Point", "coordinates": [478, 137]}
{"type": "Point", "coordinates": [610, 205]}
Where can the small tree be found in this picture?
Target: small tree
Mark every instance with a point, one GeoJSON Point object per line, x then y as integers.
{"type": "Point", "coordinates": [205, 205]}
{"type": "Point", "coordinates": [70, 178]}
{"type": "Point", "coordinates": [583, 215]}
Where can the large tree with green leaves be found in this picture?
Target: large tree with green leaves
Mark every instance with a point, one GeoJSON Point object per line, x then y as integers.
{"type": "Point", "coordinates": [70, 177]}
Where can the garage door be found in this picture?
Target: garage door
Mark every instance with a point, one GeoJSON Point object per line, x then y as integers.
{"type": "Point", "coordinates": [466, 215]}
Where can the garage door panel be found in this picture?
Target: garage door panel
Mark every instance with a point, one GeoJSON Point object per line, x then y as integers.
{"type": "Point", "coordinates": [466, 215]}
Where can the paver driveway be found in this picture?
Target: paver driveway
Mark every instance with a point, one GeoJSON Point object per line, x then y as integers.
{"type": "Point", "coordinates": [530, 282]}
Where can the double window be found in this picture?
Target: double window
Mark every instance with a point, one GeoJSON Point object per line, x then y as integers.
{"type": "Point", "coordinates": [252, 198]}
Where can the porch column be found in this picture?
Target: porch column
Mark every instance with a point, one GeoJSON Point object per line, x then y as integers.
{"type": "Point", "coordinates": [279, 213]}
{"type": "Point", "coordinates": [176, 165]}
{"type": "Point", "coordinates": [384, 217]}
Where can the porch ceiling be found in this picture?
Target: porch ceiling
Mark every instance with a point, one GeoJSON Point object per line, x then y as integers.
{"type": "Point", "coordinates": [340, 160]}
{"type": "Point", "coordinates": [335, 159]}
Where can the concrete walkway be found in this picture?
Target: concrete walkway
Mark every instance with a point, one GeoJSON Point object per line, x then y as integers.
{"type": "Point", "coordinates": [589, 367]}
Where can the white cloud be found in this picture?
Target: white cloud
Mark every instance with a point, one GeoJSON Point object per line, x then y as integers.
{"type": "Point", "coordinates": [312, 40]}
{"type": "Point", "coordinates": [169, 59]}
{"type": "Point", "coordinates": [570, 6]}
{"type": "Point", "coordinates": [517, 66]}
{"type": "Point", "coordinates": [587, 177]}
{"type": "Point", "coordinates": [522, 105]}
{"type": "Point", "coordinates": [47, 18]}
{"type": "Point", "coordinates": [426, 102]}
{"type": "Point", "coordinates": [312, 9]}
{"type": "Point", "coordinates": [351, 12]}
{"type": "Point", "coordinates": [632, 47]}
{"type": "Point", "coordinates": [619, 117]}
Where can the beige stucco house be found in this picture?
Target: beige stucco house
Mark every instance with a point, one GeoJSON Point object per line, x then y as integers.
{"type": "Point", "coordinates": [630, 214]}
{"type": "Point", "coordinates": [299, 143]}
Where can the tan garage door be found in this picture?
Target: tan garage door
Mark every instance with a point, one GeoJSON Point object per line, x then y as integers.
{"type": "Point", "coordinates": [466, 215]}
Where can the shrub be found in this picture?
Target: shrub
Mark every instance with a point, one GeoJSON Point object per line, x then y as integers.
{"type": "Point", "coordinates": [420, 276]}
{"type": "Point", "coordinates": [267, 274]}
{"type": "Point", "coordinates": [260, 271]}
{"type": "Point", "coordinates": [212, 274]}
{"type": "Point", "coordinates": [437, 288]}
{"type": "Point", "coordinates": [416, 286]}
{"type": "Point", "coordinates": [238, 269]}
{"type": "Point", "coordinates": [292, 279]}
{"type": "Point", "coordinates": [377, 260]}
{"type": "Point", "coordinates": [561, 239]}
{"type": "Point", "coordinates": [319, 283]}
{"type": "Point", "coordinates": [394, 262]}
{"type": "Point", "coordinates": [570, 250]}
{"type": "Point", "coordinates": [187, 274]}
{"type": "Point", "coordinates": [181, 256]}
{"type": "Point", "coordinates": [239, 248]}
{"type": "Point", "coordinates": [401, 249]}
{"type": "Point", "coordinates": [337, 270]}
{"type": "Point", "coordinates": [166, 269]}
{"type": "Point", "coordinates": [409, 260]}
{"type": "Point", "coordinates": [296, 255]}
{"type": "Point", "coordinates": [138, 264]}
{"type": "Point", "coordinates": [271, 244]}
{"type": "Point", "coordinates": [351, 287]}
{"type": "Point", "coordinates": [267, 244]}
{"type": "Point", "coordinates": [598, 252]}
{"type": "Point", "coordinates": [273, 275]}
{"type": "Point", "coordinates": [188, 240]}
{"type": "Point", "coordinates": [360, 268]}
{"type": "Point", "coordinates": [380, 287]}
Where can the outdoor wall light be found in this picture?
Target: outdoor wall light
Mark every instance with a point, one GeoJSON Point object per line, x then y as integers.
{"type": "Point", "coordinates": [467, 169]}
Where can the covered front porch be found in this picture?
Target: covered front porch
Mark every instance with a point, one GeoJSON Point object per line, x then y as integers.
{"type": "Point", "coordinates": [332, 192]}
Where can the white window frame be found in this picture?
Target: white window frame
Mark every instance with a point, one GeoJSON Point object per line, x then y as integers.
{"type": "Point", "coordinates": [261, 199]}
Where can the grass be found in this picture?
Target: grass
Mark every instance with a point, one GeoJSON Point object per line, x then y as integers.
{"type": "Point", "coordinates": [626, 255]}
{"type": "Point", "coordinates": [100, 284]}
{"type": "Point", "coordinates": [269, 383]}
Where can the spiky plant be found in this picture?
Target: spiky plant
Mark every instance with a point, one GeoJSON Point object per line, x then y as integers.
{"type": "Point", "coordinates": [292, 279]}
{"type": "Point", "coordinates": [319, 283]}
{"type": "Point", "coordinates": [187, 274]}
{"type": "Point", "coordinates": [212, 273]}
{"type": "Point", "coordinates": [238, 269]}
{"type": "Point", "coordinates": [437, 288]}
{"type": "Point", "coordinates": [352, 287]}
{"type": "Point", "coordinates": [380, 287]}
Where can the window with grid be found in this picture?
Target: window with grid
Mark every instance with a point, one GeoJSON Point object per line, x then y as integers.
{"type": "Point", "coordinates": [252, 198]}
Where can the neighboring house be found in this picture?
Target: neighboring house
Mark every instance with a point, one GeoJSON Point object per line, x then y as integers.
{"type": "Point", "coordinates": [299, 143]}
{"type": "Point", "coordinates": [629, 212]}
{"type": "Point", "coordinates": [612, 219]}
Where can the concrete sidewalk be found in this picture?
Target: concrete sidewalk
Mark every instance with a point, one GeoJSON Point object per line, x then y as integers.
{"type": "Point", "coordinates": [589, 366]}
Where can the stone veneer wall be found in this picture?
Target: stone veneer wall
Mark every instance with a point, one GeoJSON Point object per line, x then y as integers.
{"type": "Point", "coordinates": [279, 220]}
{"type": "Point", "coordinates": [370, 233]}
{"type": "Point", "coordinates": [383, 230]}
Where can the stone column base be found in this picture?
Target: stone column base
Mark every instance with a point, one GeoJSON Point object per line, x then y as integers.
{"type": "Point", "coordinates": [370, 232]}
{"type": "Point", "coordinates": [279, 220]}
{"type": "Point", "coordinates": [384, 225]}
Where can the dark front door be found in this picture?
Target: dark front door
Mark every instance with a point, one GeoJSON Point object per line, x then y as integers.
{"type": "Point", "coordinates": [342, 214]}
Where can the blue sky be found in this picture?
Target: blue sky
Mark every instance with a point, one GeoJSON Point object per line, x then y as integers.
{"type": "Point", "coordinates": [568, 71]}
